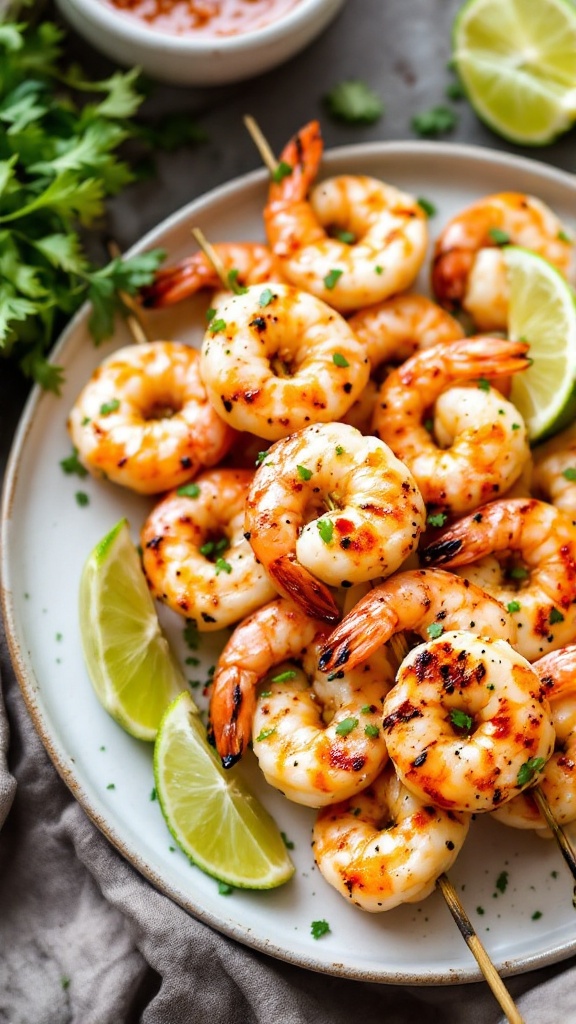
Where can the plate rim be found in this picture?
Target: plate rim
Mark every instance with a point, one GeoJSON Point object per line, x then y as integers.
{"type": "Point", "coordinates": [28, 683]}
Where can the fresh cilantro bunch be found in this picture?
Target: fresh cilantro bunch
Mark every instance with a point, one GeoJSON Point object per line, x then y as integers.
{"type": "Point", "coordinates": [58, 163]}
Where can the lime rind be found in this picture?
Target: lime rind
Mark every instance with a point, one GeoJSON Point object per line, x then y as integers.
{"type": "Point", "coordinates": [131, 666]}
{"type": "Point", "coordinates": [516, 59]}
{"type": "Point", "coordinates": [542, 311]}
{"type": "Point", "coordinates": [212, 815]}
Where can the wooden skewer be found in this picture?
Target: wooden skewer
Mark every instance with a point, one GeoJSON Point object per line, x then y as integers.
{"type": "Point", "coordinates": [559, 834]}
{"type": "Point", "coordinates": [478, 951]}
{"type": "Point", "coordinates": [261, 143]}
{"type": "Point", "coordinates": [400, 649]}
{"type": "Point", "coordinates": [135, 319]}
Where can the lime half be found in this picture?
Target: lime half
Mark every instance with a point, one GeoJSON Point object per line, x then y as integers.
{"type": "Point", "coordinates": [212, 815]}
{"type": "Point", "coordinates": [542, 311]}
{"type": "Point", "coordinates": [130, 664]}
{"type": "Point", "coordinates": [517, 61]}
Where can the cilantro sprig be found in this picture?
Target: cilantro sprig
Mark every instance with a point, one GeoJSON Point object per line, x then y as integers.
{"type": "Point", "coordinates": [60, 137]}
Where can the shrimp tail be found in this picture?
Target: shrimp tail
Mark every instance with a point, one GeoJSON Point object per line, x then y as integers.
{"type": "Point", "coordinates": [339, 650]}
{"type": "Point", "coordinates": [173, 284]}
{"type": "Point", "coordinates": [488, 357]}
{"type": "Point", "coordinates": [297, 583]}
{"type": "Point", "coordinates": [232, 707]}
{"type": "Point", "coordinates": [302, 155]}
{"type": "Point", "coordinates": [440, 552]}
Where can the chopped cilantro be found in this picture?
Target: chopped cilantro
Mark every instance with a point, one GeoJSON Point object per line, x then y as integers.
{"type": "Point", "coordinates": [266, 693]}
{"type": "Point", "coordinates": [555, 616]}
{"type": "Point", "coordinates": [460, 719]}
{"type": "Point", "coordinates": [153, 794]}
{"type": "Point", "coordinates": [371, 730]}
{"type": "Point", "coordinates": [437, 519]}
{"type": "Point", "coordinates": [434, 630]}
{"type": "Point", "coordinates": [281, 171]}
{"type": "Point", "coordinates": [332, 278]}
{"type": "Point", "coordinates": [82, 499]}
{"type": "Point", "coordinates": [483, 384]}
{"type": "Point", "coordinates": [536, 915]}
{"type": "Point", "coordinates": [340, 450]}
{"type": "Point", "coordinates": [108, 407]}
{"type": "Point", "coordinates": [260, 458]}
{"type": "Point", "coordinates": [65, 982]}
{"type": "Point", "coordinates": [348, 237]}
{"type": "Point", "coordinates": [304, 473]}
{"type": "Point", "coordinates": [563, 237]}
{"type": "Point", "coordinates": [529, 769]}
{"type": "Point", "coordinates": [568, 474]}
{"type": "Point", "coordinates": [284, 677]}
{"type": "Point", "coordinates": [191, 635]}
{"type": "Point", "coordinates": [71, 464]}
{"type": "Point", "coordinates": [425, 205]}
{"type": "Point", "coordinates": [224, 888]}
{"type": "Point", "coordinates": [110, 786]}
{"type": "Point", "coordinates": [222, 565]}
{"type": "Point", "coordinates": [502, 881]}
{"type": "Point", "coordinates": [216, 326]}
{"type": "Point", "coordinates": [513, 606]}
{"type": "Point", "coordinates": [435, 121]}
{"type": "Point", "coordinates": [266, 297]}
{"type": "Point", "coordinates": [233, 283]}
{"type": "Point", "coordinates": [455, 91]}
{"type": "Point", "coordinates": [319, 928]}
{"type": "Point", "coordinates": [264, 734]}
{"type": "Point", "coordinates": [339, 360]}
{"type": "Point", "coordinates": [354, 102]}
{"type": "Point", "coordinates": [210, 314]}
{"type": "Point", "coordinates": [188, 491]}
{"type": "Point", "coordinates": [325, 529]}
{"type": "Point", "coordinates": [498, 236]}
{"type": "Point", "coordinates": [346, 726]}
{"type": "Point", "coordinates": [287, 842]}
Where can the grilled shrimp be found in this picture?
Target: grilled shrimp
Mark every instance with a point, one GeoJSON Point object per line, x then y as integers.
{"type": "Point", "coordinates": [275, 359]}
{"type": "Point", "coordinates": [554, 477]}
{"type": "Point", "coordinates": [523, 552]}
{"type": "Point", "coordinates": [385, 846]}
{"type": "Point", "coordinates": [465, 718]}
{"type": "Point", "coordinates": [195, 555]}
{"type": "Point", "coordinates": [468, 266]}
{"type": "Point", "coordinates": [144, 421]}
{"type": "Point", "coordinates": [353, 241]}
{"type": "Point", "coordinates": [482, 441]}
{"type": "Point", "coordinates": [330, 506]}
{"type": "Point", "coordinates": [244, 262]}
{"type": "Point", "coordinates": [557, 778]}
{"type": "Point", "coordinates": [424, 601]}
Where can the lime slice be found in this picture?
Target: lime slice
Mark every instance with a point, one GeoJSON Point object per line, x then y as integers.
{"type": "Point", "coordinates": [213, 817]}
{"type": "Point", "coordinates": [542, 311]}
{"type": "Point", "coordinates": [517, 61]}
{"type": "Point", "coordinates": [132, 668]}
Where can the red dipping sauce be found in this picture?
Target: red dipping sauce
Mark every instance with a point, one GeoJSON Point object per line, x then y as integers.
{"type": "Point", "coordinates": [208, 18]}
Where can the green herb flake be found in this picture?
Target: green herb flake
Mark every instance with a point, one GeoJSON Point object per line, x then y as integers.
{"type": "Point", "coordinates": [233, 282]}
{"type": "Point", "coordinates": [536, 915]}
{"type": "Point", "coordinates": [224, 889]}
{"type": "Point", "coordinates": [354, 102]}
{"type": "Point", "coordinates": [555, 616]}
{"type": "Point", "coordinates": [82, 499]}
{"type": "Point", "coordinates": [429, 425]}
{"type": "Point", "coordinates": [498, 236]}
{"type": "Point", "coordinates": [480, 910]}
{"type": "Point", "coordinates": [437, 519]}
{"type": "Point", "coordinates": [347, 237]}
{"type": "Point", "coordinates": [326, 530]}
{"type": "Point", "coordinates": [435, 121]}
{"type": "Point", "coordinates": [284, 677]}
{"type": "Point", "coordinates": [266, 693]}
{"type": "Point", "coordinates": [110, 786]}
{"type": "Point", "coordinates": [513, 606]}
{"type": "Point", "coordinates": [340, 450]}
{"type": "Point", "coordinates": [217, 326]}
{"type": "Point", "coordinates": [378, 269]}
{"type": "Point", "coordinates": [287, 842]}
{"type": "Point", "coordinates": [260, 458]}
{"type": "Point", "coordinates": [266, 297]}
{"type": "Point", "coordinates": [339, 360]}
{"type": "Point", "coordinates": [460, 719]}
{"type": "Point", "coordinates": [518, 572]}
{"type": "Point", "coordinates": [303, 472]}
{"type": "Point", "coordinates": [332, 278]}
{"type": "Point", "coordinates": [346, 726]}
{"type": "Point", "coordinates": [188, 491]}
{"type": "Point", "coordinates": [319, 928]}
{"type": "Point", "coordinates": [264, 734]}
{"type": "Point", "coordinates": [455, 91]}
{"type": "Point", "coordinates": [562, 236]}
{"type": "Point", "coordinates": [109, 407]}
{"type": "Point", "coordinates": [153, 794]}
{"type": "Point", "coordinates": [281, 171]}
{"type": "Point", "coordinates": [425, 205]}
{"type": "Point", "coordinates": [529, 769]}
{"type": "Point", "coordinates": [221, 565]}
{"type": "Point", "coordinates": [568, 474]}
{"type": "Point", "coordinates": [367, 709]}
{"type": "Point", "coordinates": [71, 464]}
{"type": "Point", "coordinates": [191, 635]}
{"type": "Point", "coordinates": [65, 982]}
{"type": "Point", "coordinates": [371, 730]}
{"type": "Point", "coordinates": [210, 314]}
{"type": "Point", "coordinates": [483, 384]}
{"type": "Point", "coordinates": [502, 881]}
{"type": "Point", "coordinates": [434, 630]}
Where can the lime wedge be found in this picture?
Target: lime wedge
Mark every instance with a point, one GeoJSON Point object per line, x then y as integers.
{"type": "Point", "coordinates": [517, 61]}
{"type": "Point", "coordinates": [130, 664]}
{"type": "Point", "coordinates": [213, 817]}
{"type": "Point", "coordinates": [542, 311]}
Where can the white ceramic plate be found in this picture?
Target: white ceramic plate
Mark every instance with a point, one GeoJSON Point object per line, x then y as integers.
{"type": "Point", "coordinates": [46, 538]}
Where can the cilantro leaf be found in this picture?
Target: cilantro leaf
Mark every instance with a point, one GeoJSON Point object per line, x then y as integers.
{"type": "Point", "coordinates": [354, 102]}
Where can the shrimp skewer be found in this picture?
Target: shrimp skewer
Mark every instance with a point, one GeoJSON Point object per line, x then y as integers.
{"type": "Point", "coordinates": [424, 601]}
{"type": "Point", "coordinates": [329, 506]}
{"type": "Point", "coordinates": [465, 718]}
{"type": "Point", "coordinates": [523, 552]}
{"type": "Point", "coordinates": [352, 241]}
{"type": "Point", "coordinates": [195, 555]}
{"type": "Point", "coordinates": [468, 265]}
{"type": "Point", "coordinates": [245, 263]}
{"type": "Point", "coordinates": [484, 436]}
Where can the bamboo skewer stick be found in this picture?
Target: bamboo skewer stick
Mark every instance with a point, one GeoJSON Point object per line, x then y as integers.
{"type": "Point", "coordinates": [135, 320]}
{"type": "Point", "coordinates": [211, 254]}
{"type": "Point", "coordinates": [261, 143]}
{"type": "Point", "coordinates": [558, 832]}
{"type": "Point", "coordinates": [478, 951]}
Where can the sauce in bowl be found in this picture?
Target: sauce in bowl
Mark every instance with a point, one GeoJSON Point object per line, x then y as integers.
{"type": "Point", "coordinates": [208, 18]}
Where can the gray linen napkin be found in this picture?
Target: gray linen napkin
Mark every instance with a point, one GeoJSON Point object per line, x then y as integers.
{"type": "Point", "coordinates": [84, 939]}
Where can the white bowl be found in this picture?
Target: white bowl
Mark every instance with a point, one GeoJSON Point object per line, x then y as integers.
{"type": "Point", "coordinates": [193, 59]}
